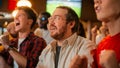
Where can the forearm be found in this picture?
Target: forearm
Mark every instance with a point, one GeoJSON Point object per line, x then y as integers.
{"type": "Point", "coordinates": [21, 60]}
{"type": "Point", "coordinates": [94, 39]}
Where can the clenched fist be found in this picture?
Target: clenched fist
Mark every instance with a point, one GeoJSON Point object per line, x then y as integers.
{"type": "Point", "coordinates": [78, 62]}
{"type": "Point", "coordinates": [4, 40]}
{"type": "Point", "coordinates": [108, 59]}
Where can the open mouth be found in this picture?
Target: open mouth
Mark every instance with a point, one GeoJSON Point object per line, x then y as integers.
{"type": "Point", "coordinates": [17, 24]}
{"type": "Point", "coordinates": [97, 9]}
{"type": "Point", "coordinates": [52, 28]}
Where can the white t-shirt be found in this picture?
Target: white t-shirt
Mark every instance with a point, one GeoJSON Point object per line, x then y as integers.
{"type": "Point", "coordinates": [19, 42]}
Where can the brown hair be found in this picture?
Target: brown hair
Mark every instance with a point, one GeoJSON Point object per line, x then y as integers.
{"type": "Point", "coordinates": [30, 12]}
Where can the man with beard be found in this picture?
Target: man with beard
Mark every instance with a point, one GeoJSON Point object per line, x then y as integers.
{"type": "Point", "coordinates": [25, 50]}
{"type": "Point", "coordinates": [108, 51]}
{"type": "Point", "coordinates": [68, 50]}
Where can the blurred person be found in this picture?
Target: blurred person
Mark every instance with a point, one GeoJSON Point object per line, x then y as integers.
{"type": "Point", "coordinates": [99, 34]}
{"type": "Point", "coordinates": [42, 30]}
{"type": "Point", "coordinates": [68, 50]}
{"type": "Point", "coordinates": [103, 32]}
{"type": "Point", "coordinates": [25, 50]}
{"type": "Point", "coordinates": [11, 32]}
{"type": "Point", "coordinates": [108, 51]}
{"type": "Point", "coordinates": [12, 35]}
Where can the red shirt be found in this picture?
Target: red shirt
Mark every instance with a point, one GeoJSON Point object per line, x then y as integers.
{"type": "Point", "coordinates": [109, 43]}
{"type": "Point", "coordinates": [31, 47]}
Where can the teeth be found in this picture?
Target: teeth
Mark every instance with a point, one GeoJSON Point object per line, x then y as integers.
{"type": "Point", "coordinates": [97, 9]}
{"type": "Point", "coordinates": [53, 28]}
{"type": "Point", "coordinates": [17, 22]}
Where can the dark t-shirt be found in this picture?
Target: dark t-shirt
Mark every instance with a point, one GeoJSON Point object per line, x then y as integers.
{"type": "Point", "coordinates": [57, 56]}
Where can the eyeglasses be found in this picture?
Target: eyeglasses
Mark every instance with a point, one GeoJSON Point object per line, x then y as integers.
{"type": "Point", "coordinates": [56, 18]}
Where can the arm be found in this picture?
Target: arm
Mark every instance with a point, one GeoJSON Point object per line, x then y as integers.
{"type": "Point", "coordinates": [21, 60]}
{"type": "Point", "coordinates": [94, 34]}
{"type": "Point", "coordinates": [36, 46]}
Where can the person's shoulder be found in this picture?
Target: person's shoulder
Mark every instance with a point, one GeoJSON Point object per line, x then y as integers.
{"type": "Point", "coordinates": [47, 49]}
{"type": "Point", "coordinates": [37, 29]}
{"type": "Point", "coordinates": [37, 39]}
{"type": "Point", "coordinates": [85, 42]}
{"type": "Point", "coordinates": [51, 46]}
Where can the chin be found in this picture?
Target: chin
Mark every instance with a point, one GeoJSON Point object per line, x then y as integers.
{"type": "Point", "coordinates": [101, 18]}
{"type": "Point", "coordinates": [56, 36]}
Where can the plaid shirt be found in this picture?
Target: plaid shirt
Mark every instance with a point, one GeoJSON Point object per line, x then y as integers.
{"type": "Point", "coordinates": [31, 47]}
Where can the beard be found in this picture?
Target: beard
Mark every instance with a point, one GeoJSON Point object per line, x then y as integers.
{"type": "Point", "coordinates": [60, 35]}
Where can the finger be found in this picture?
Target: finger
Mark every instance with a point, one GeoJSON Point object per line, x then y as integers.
{"type": "Point", "coordinates": [84, 62]}
{"type": "Point", "coordinates": [79, 62]}
{"type": "Point", "coordinates": [74, 62]}
{"type": "Point", "coordinates": [76, 59]}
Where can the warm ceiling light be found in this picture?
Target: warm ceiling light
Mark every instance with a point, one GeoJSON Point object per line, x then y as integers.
{"type": "Point", "coordinates": [24, 3]}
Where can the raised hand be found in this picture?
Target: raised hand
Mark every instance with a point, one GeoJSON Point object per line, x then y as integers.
{"type": "Point", "coordinates": [4, 40]}
{"type": "Point", "coordinates": [108, 59]}
{"type": "Point", "coordinates": [78, 62]}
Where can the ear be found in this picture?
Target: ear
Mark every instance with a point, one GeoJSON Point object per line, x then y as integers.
{"type": "Point", "coordinates": [72, 24]}
{"type": "Point", "coordinates": [30, 21]}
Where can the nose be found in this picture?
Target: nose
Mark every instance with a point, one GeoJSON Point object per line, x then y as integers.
{"type": "Point", "coordinates": [96, 3]}
{"type": "Point", "coordinates": [50, 24]}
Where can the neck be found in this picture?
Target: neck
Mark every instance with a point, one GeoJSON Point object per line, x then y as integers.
{"type": "Point", "coordinates": [114, 26]}
{"type": "Point", "coordinates": [60, 42]}
{"type": "Point", "coordinates": [23, 34]}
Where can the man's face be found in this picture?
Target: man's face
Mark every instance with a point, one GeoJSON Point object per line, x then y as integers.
{"type": "Point", "coordinates": [106, 9]}
{"type": "Point", "coordinates": [57, 24]}
{"type": "Point", "coordinates": [21, 21]}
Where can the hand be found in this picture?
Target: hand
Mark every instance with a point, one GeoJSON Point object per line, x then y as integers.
{"type": "Point", "coordinates": [94, 33]}
{"type": "Point", "coordinates": [4, 40]}
{"type": "Point", "coordinates": [108, 59]}
{"type": "Point", "coordinates": [78, 62]}
{"type": "Point", "coordinates": [94, 30]}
